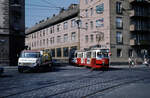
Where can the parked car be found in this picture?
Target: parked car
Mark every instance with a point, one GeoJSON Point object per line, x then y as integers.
{"type": "Point", "coordinates": [1, 70]}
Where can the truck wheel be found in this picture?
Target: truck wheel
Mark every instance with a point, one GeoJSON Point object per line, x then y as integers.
{"type": "Point", "coordinates": [20, 70]}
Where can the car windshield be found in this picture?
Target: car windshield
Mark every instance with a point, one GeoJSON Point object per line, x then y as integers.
{"type": "Point", "coordinates": [30, 54]}
{"type": "Point", "coordinates": [102, 55]}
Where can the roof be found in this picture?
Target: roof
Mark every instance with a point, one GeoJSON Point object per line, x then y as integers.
{"type": "Point", "coordinates": [71, 12]}
{"type": "Point", "coordinates": [31, 51]}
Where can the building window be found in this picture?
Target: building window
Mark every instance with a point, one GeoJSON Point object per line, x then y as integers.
{"type": "Point", "coordinates": [86, 39]}
{"type": "Point", "coordinates": [100, 8]}
{"type": "Point", "coordinates": [51, 30]}
{"type": "Point", "coordinates": [91, 24]}
{"type": "Point", "coordinates": [58, 52]}
{"type": "Point", "coordinates": [65, 37]}
{"type": "Point", "coordinates": [58, 28]}
{"type": "Point", "coordinates": [119, 38]}
{"type": "Point", "coordinates": [53, 40]}
{"type": "Point", "coordinates": [86, 1]}
{"type": "Point", "coordinates": [119, 23]}
{"type": "Point", "coordinates": [92, 38]}
{"type": "Point", "coordinates": [118, 7]}
{"type": "Point", "coordinates": [53, 52]}
{"type": "Point", "coordinates": [40, 42]}
{"type": "Point", "coordinates": [65, 52]}
{"type": "Point", "coordinates": [58, 39]}
{"type": "Point", "coordinates": [119, 53]}
{"type": "Point", "coordinates": [43, 32]}
{"type": "Point", "coordinates": [92, 11]}
{"type": "Point", "coordinates": [47, 41]}
{"type": "Point", "coordinates": [86, 12]}
{"type": "Point", "coordinates": [86, 25]}
{"type": "Point", "coordinates": [47, 30]}
{"type": "Point", "coordinates": [65, 25]}
{"type": "Point", "coordinates": [73, 36]}
{"type": "Point", "coordinates": [100, 23]}
{"type": "Point", "coordinates": [43, 41]}
{"type": "Point", "coordinates": [73, 23]}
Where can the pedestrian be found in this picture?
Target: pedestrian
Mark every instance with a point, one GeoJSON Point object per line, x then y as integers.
{"type": "Point", "coordinates": [130, 62]}
{"type": "Point", "coordinates": [146, 62]}
{"type": "Point", "coordinates": [135, 61]}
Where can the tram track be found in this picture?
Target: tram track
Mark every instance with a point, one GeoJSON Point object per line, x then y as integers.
{"type": "Point", "coordinates": [50, 84]}
{"type": "Point", "coordinates": [118, 78]}
{"type": "Point", "coordinates": [77, 78]}
{"type": "Point", "coordinates": [114, 86]}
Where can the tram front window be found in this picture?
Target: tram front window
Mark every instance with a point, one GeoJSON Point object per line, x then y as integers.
{"type": "Point", "coordinates": [99, 55]}
{"type": "Point", "coordinates": [102, 55]}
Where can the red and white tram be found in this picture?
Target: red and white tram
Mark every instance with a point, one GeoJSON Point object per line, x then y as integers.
{"type": "Point", "coordinates": [80, 58]}
{"type": "Point", "coordinates": [94, 58]}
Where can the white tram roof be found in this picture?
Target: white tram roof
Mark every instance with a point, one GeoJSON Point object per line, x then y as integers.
{"type": "Point", "coordinates": [80, 51]}
{"type": "Point", "coordinates": [100, 49]}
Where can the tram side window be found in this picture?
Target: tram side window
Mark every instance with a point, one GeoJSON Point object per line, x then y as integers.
{"type": "Point", "coordinates": [80, 55]}
{"type": "Point", "coordinates": [88, 55]}
{"type": "Point", "coordinates": [94, 54]}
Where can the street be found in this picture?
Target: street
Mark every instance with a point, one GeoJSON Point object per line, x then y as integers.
{"type": "Point", "coordinates": [76, 82]}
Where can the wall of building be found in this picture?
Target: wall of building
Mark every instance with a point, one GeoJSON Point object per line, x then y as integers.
{"type": "Point", "coordinates": [100, 22]}
{"type": "Point", "coordinates": [47, 38]}
{"type": "Point", "coordinates": [4, 31]}
{"type": "Point", "coordinates": [122, 46]}
{"type": "Point", "coordinates": [94, 15]}
{"type": "Point", "coordinates": [12, 24]}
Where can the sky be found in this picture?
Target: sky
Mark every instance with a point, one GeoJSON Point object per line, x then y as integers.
{"type": "Point", "coordinates": [36, 10]}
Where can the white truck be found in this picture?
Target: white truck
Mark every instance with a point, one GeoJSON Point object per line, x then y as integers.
{"type": "Point", "coordinates": [30, 59]}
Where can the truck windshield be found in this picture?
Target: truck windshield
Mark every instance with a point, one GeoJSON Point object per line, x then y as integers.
{"type": "Point", "coordinates": [30, 54]}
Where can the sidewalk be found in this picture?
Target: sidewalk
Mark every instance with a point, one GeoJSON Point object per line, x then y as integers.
{"type": "Point", "coordinates": [127, 66]}
{"type": "Point", "coordinates": [8, 67]}
{"type": "Point", "coordinates": [112, 66]}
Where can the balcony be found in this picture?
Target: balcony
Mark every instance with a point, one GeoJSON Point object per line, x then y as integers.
{"type": "Point", "coordinates": [141, 28]}
{"type": "Point", "coordinates": [134, 13]}
{"type": "Point", "coordinates": [131, 1]}
{"type": "Point", "coordinates": [132, 27]}
{"type": "Point", "coordinates": [134, 42]}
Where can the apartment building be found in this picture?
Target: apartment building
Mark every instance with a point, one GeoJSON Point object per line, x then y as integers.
{"type": "Point", "coordinates": [120, 25]}
{"type": "Point", "coordinates": [58, 34]}
{"type": "Point", "coordinates": [140, 27]}
{"type": "Point", "coordinates": [12, 24]}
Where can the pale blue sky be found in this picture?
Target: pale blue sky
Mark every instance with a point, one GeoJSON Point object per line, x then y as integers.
{"type": "Point", "coordinates": [36, 10]}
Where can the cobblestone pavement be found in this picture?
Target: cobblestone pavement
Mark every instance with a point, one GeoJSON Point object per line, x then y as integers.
{"type": "Point", "coordinates": [69, 82]}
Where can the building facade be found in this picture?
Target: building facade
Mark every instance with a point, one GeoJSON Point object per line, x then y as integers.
{"type": "Point", "coordinates": [12, 28]}
{"type": "Point", "coordinates": [120, 25]}
{"type": "Point", "coordinates": [58, 34]}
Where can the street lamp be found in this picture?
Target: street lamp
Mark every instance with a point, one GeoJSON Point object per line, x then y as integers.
{"type": "Point", "coordinates": [78, 23]}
